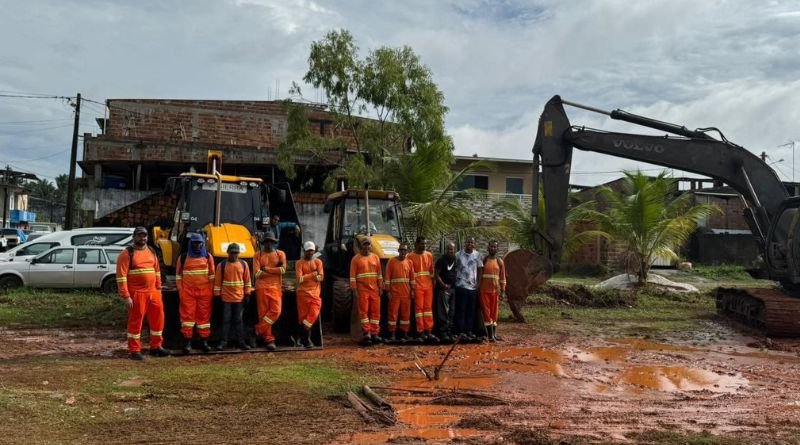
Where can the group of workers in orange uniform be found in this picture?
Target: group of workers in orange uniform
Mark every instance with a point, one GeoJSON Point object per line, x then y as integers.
{"type": "Point", "coordinates": [199, 279]}
{"type": "Point", "coordinates": [412, 279]}
{"type": "Point", "coordinates": [459, 282]}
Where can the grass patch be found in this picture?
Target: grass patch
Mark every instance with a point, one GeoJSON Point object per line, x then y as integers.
{"type": "Point", "coordinates": [680, 438]}
{"type": "Point", "coordinates": [725, 272]}
{"type": "Point", "coordinates": [33, 308]}
{"type": "Point", "coordinates": [311, 377]}
{"type": "Point", "coordinates": [651, 315]}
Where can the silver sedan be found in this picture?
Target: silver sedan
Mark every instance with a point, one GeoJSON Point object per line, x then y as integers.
{"type": "Point", "coordinates": [65, 267]}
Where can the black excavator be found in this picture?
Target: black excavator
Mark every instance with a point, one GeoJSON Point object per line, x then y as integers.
{"type": "Point", "coordinates": [772, 215]}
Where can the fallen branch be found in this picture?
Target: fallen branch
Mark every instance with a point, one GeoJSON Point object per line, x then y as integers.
{"type": "Point", "coordinates": [441, 365]}
{"type": "Point", "coordinates": [358, 405]}
{"type": "Point", "coordinates": [385, 416]}
{"type": "Point", "coordinates": [376, 399]}
{"type": "Point", "coordinates": [437, 395]}
{"type": "Point", "coordinates": [419, 366]}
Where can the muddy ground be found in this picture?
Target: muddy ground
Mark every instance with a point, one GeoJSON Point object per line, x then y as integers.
{"type": "Point", "coordinates": [536, 386]}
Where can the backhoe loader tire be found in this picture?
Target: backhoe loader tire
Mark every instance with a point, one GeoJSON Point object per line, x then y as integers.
{"type": "Point", "coordinates": [342, 304]}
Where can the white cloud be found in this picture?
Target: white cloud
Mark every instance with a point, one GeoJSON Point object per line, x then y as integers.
{"type": "Point", "coordinates": [728, 64]}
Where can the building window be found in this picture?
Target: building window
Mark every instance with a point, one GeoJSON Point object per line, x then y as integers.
{"type": "Point", "coordinates": [514, 185]}
{"type": "Point", "coordinates": [474, 182]}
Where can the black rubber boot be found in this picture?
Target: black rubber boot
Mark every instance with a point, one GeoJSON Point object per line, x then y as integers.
{"type": "Point", "coordinates": [432, 338]}
{"type": "Point", "coordinates": [136, 356]}
{"type": "Point", "coordinates": [187, 346]}
{"type": "Point", "coordinates": [366, 340]}
{"type": "Point", "coordinates": [271, 346]}
{"type": "Point", "coordinates": [204, 346]}
{"type": "Point", "coordinates": [159, 352]}
{"type": "Point", "coordinates": [492, 339]}
{"type": "Point", "coordinates": [309, 344]}
{"type": "Point", "coordinates": [221, 346]}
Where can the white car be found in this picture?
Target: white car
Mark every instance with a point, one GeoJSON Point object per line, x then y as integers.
{"type": "Point", "coordinates": [94, 236]}
{"type": "Point", "coordinates": [65, 267]}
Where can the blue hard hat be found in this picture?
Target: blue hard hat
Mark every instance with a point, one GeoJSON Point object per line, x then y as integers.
{"type": "Point", "coordinates": [196, 238]}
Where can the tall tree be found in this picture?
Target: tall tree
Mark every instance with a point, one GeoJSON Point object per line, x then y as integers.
{"type": "Point", "coordinates": [387, 104]}
{"type": "Point", "coordinates": [647, 219]}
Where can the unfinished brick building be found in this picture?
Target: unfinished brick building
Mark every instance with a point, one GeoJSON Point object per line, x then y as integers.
{"type": "Point", "coordinates": [146, 141]}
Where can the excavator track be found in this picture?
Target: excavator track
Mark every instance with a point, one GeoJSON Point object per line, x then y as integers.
{"type": "Point", "coordinates": [770, 310]}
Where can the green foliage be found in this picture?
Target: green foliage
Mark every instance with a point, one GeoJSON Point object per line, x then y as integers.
{"type": "Point", "coordinates": [78, 308]}
{"type": "Point", "coordinates": [724, 272]}
{"type": "Point", "coordinates": [520, 226]}
{"type": "Point", "coordinates": [433, 206]}
{"type": "Point", "coordinates": [387, 101]}
{"type": "Point", "coordinates": [646, 219]}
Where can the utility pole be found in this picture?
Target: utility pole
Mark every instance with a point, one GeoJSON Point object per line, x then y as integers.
{"type": "Point", "coordinates": [73, 159]}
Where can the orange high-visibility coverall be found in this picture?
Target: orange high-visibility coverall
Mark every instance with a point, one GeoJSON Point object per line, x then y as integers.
{"type": "Point", "coordinates": [142, 283]}
{"type": "Point", "coordinates": [367, 280]}
{"type": "Point", "coordinates": [232, 283]}
{"type": "Point", "coordinates": [399, 283]}
{"type": "Point", "coordinates": [194, 278]}
{"type": "Point", "coordinates": [309, 283]}
{"type": "Point", "coordinates": [269, 290]}
{"type": "Point", "coordinates": [493, 281]}
{"type": "Point", "coordinates": [423, 293]}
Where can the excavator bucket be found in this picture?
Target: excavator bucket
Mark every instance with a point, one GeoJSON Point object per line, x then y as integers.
{"type": "Point", "coordinates": [525, 272]}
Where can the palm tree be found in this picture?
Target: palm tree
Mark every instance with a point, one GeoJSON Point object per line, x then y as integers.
{"type": "Point", "coordinates": [425, 184]}
{"type": "Point", "coordinates": [646, 219]}
{"type": "Point", "coordinates": [519, 226]}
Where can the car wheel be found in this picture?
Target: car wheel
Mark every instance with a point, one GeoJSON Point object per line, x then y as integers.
{"type": "Point", "coordinates": [109, 285]}
{"type": "Point", "coordinates": [9, 282]}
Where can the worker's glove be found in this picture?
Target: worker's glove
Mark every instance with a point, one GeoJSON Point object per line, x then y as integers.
{"type": "Point", "coordinates": [129, 302]}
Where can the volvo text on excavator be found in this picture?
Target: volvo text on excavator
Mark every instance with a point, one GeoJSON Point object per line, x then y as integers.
{"type": "Point", "coordinates": [772, 215]}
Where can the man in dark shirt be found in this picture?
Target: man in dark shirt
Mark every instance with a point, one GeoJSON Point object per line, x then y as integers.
{"type": "Point", "coordinates": [445, 281]}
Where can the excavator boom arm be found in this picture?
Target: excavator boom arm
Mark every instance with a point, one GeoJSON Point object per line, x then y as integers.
{"type": "Point", "coordinates": [696, 152]}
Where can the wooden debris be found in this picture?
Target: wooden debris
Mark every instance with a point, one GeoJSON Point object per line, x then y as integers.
{"type": "Point", "coordinates": [419, 366]}
{"type": "Point", "coordinates": [358, 405]}
{"type": "Point", "coordinates": [385, 415]}
{"type": "Point", "coordinates": [444, 360]}
{"type": "Point", "coordinates": [375, 398]}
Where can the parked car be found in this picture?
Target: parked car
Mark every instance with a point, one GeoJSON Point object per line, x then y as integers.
{"type": "Point", "coordinates": [44, 227]}
{"type": "Point", "coordinates": [95, 236]}
{"type": "Point", "coordinates": [14, 237]}
{"type": "Point", "coordinates": [65, 267]}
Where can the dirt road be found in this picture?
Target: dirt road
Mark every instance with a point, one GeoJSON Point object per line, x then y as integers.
{"type": "Point", "coordinates": [578, 386]}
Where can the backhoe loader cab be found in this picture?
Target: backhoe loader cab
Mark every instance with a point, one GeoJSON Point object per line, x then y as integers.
{"type": "Point", "coordinates": [353, 215]}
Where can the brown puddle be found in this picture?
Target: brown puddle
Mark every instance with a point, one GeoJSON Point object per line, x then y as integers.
{"type": "Point", "coordinates": [679, 378]}
{"type": "Point", "coordinates": [382, 437]}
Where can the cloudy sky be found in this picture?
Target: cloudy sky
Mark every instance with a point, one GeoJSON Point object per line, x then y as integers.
{"type": "Point", "coordinates": [729, 64]}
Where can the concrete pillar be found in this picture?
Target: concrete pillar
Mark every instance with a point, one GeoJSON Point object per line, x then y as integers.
{"type": "Point", "coordinates": [98, 176]}
{"type": "Point", "coordinates": [138, 177]}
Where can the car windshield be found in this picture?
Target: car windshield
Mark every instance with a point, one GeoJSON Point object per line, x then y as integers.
{"type": "Point", "coordinates": [10, 232]}
{"type": "Point", "coordinates": [240, 205]}
{"type": "Point", "coordinates": [383, 217]}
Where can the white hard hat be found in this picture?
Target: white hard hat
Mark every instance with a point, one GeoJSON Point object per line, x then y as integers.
{"type": "Point", "coordinates": [309, 245]}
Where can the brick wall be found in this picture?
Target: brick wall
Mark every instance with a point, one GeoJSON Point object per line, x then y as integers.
{"type": "Point", "coordinates": [257, 124]}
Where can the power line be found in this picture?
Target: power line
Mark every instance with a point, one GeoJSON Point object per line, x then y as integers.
{"type": "Point", "coordinates": [42, 157]}
{"type": "Point", "coordinates": [34, 130]}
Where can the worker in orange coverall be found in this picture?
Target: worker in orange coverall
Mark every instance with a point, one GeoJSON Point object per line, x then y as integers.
{"type": "Point", "coordinates": [310, 274]}
{"type": "Point", "coordinates": [366, 281]}
{"type": "Point", "coordinates": [269, 265]}
{"type": "Point", "coordinates": [400, 288]}
{"type": "Point", "coordinates": [492, 286]}
{"type": "Point", "coordinates": [232, 283]}
{"type": "Point", "coordinates": [139, 283]}
{"type": "Point", "coordinates": [194, 278]}
{"type": "Point", "coordinates": [423, 293]}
